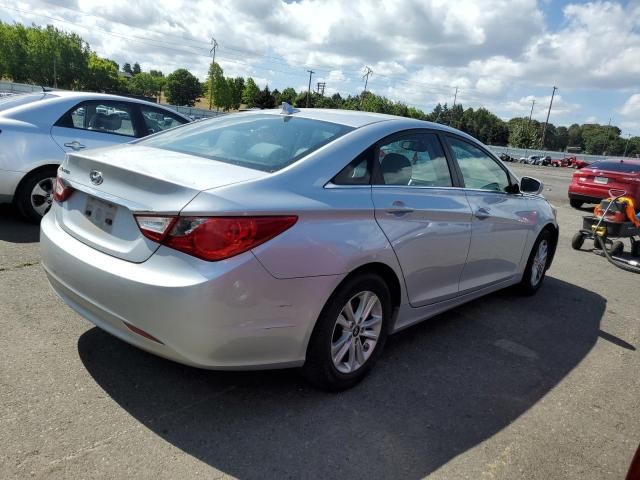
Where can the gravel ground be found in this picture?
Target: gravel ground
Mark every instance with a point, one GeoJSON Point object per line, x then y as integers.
{"type": "Point", "coordinates": [504, 387]}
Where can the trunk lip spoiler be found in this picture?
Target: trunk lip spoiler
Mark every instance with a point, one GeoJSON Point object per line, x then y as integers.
{"type": "Point", "coordinates": [108, 197]}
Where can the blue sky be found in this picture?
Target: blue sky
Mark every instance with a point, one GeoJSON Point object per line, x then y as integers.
{"type": "Point", "coordinates": [501, 54]}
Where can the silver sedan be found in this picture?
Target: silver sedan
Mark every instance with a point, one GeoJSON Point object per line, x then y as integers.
{"type": "Point", "coordinates": [284, 239]}
{"type": "Point", "coordinates": [37, 129]}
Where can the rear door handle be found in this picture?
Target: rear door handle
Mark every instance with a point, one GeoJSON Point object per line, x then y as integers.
{"type": "Point", "coordinates": [75, 145]}
{"type": "Point", "coordinates": [482, 213]}
{"type": "Point", "coordinates": [399, 208]}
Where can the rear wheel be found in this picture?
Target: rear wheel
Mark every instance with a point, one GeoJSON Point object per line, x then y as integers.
{"type": "Point", "coordinates": [350, 333]}
{"type": "Point", "coordinates": [35, 194]}
{"type": "Point", "coordinates": [575, 203]}
{"type": "Point", "coordinates": [536, 269]}
{"type": "Point", "coordinates": [617, 248]}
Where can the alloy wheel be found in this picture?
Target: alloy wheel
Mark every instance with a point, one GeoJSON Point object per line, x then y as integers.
{"type": "Point", "coordinates": [539, 263]}
{"type": "Point", "coordinates": [356, 332]}
{"type": "Point", "coordinates": [42, 195]}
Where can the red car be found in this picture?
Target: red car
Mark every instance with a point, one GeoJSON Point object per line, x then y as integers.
{"type": "Point", "coordinates": [593, 182]}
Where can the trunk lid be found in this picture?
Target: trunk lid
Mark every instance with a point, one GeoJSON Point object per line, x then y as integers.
{"type": "Point", "coordinates": [113, 184]}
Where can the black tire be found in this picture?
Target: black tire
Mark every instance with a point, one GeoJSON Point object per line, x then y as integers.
{"type": "Point", "coordinates": [22, 198]}
{"type": "Point", "coordinates": [635, 248]}
{"type": "Point", "coordinates": [319, 368]}
{"type": "Point", "coordinates": [575, 203]}
{"type": "Point", "coordinates": [526, 285]}
{"type": "Point", "coordinates": [617, 248]}
{"type": "Point", "coordinates": [577, 241]}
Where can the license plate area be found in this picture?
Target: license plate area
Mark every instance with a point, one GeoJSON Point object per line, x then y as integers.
{"type": "Point", "coordinates": [102, 214]}
{"type": "Point", "coordinates": [601, 180]}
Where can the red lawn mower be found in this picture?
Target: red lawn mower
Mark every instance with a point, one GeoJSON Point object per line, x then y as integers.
{"type": "Point", "coordinates": [614, 218]}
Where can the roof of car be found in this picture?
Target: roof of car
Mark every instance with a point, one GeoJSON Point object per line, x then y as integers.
{"type": "Point", "coordinates": [351, 118]}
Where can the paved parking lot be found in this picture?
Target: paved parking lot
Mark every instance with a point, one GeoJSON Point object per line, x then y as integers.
{"type": "Point", "coordinates": [504, 387]}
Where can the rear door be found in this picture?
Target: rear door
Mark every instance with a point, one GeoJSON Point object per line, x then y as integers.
{"type": "Point", "coordinates": [425, 217]}
{"type": "Point", "coordinates": [501, 220]}
{"type": "Point", "coordinates": [94, 124]}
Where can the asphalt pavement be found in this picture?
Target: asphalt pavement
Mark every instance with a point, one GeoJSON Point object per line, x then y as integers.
{"type": "Point", "coordinates": [504, 387]}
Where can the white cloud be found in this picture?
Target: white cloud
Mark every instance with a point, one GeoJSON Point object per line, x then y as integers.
{"type": "Point", "coordinates": [631, 107]}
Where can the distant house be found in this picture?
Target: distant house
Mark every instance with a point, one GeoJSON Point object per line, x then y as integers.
{"type": "Point", "coordinates": [126, 75]}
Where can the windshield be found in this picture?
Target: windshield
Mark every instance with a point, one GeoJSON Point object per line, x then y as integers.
{"type": "Point", "coordinates": [16, 100]}
{"type": "Point", "coordinates": [623, 167]}
{"type": "Point", "coordinates": [261, 142]}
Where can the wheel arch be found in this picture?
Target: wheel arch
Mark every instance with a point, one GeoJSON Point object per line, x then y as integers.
{"type": "Point", "coordinates": [29, 173]}
{"type": "Point", "coordinates": [555, 235]}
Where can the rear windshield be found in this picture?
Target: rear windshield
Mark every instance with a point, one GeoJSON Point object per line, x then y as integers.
{"type": "Point", "coordinates": [262, 142]}
{"type": "Point", "coordinates": [624, 167]}
{"type": "Point", "coordinates": [12, 101]}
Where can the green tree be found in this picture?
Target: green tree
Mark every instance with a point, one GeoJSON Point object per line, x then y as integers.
{"type": "Point", "coordinates": [264, 99]}
{"type": "Point", "coordinates": [524, 135]}
{"type": "Point", "coordinates": [250, 93]}
{"type": "Point", "coordinates": [574, 134]}
{"type": "Point", "coordinates": [126, 68]}
{"type": "Point", "coordinates": [144, 84]}
{"type": "Point", "coordinates": [182, 88]}
{"type": "Point", "coordinates": [136, 69]}
{"type": "Point", "coordinates": [237, 87]}
{"type": "Point", "coordinates": [101, 76]}
{"type": "Point", "coordinates": [288, 95]}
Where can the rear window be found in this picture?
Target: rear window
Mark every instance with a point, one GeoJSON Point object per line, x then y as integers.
{"type": "Point", "coordinates": [623, 167]}
{"type": "Point", "coordinates": [261, 142]}
{"type": "Point", "coordinates": [16, 100]}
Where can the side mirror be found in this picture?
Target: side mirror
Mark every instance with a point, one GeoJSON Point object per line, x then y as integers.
{"type": "Point", "coordinates": [531, 185]}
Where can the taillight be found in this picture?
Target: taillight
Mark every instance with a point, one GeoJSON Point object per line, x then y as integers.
{"type": "Point", "coordinates": [213, 238]}
{"type": "Point", "coordinates": [61, 191]}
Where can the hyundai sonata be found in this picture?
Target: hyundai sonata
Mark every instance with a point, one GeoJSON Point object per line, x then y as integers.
{"type": "Point", "coordinates": [296, 238]}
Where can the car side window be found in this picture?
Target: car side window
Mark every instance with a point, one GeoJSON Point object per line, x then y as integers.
{"type": "Point", "coordinates": [157, 119]}
{"type": "Point", "coordinates": [416, 159]}
{"type": "Point", "coordinates": [479, 170]}
{"type": "Point", "coordinates": [358, 172]}
{"type": "Point", "coordinates": [101, 116]}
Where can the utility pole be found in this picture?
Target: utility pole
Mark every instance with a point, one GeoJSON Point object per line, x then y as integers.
{"type": "Point", "coordinates": [544, 131]}
{"type": "Point", "coordinates": [321, 86]}
{"type": "Point", "coordinates": [311, 72]}
{"type": "Point", "coordinates": [367, 72]}
{"type": "Point", "coordinates": [455, 97]}
{"type": "Point", "coordinates": [533, 102]}
{"type": "Point", "coordinates": [213, 62]}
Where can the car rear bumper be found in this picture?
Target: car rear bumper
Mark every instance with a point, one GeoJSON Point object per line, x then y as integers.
{"type": "Point", "coordinates": [585, 198]}
{"type": "Point", "coordinates": [222, 315]}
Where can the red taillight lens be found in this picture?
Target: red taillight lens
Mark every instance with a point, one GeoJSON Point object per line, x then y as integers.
{"type": "Point", "coordinates": [61, 191]}
{"type": "Point", "coordinates": [213, 238]}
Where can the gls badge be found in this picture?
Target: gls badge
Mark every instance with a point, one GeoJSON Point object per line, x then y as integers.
{"type": "Point", "coordinates": [96, 177]}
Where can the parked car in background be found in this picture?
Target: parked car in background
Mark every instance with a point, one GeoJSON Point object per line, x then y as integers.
{"type": "Point", "coordinates": [506, 158]}
{"type": "Point", "coordinates": [38, 129]}
{"type": "Point", "coordinates": [593, 182]}
{"type": "Point", "coordinates": [561, 162]}
{"type": "Point", "coordinates": [578, 164]}
{"type": "Point", "coordinates": [544, 161]}
{"type": "Point", "coordinates": [279, 239]}
{"type": "Point", "coordinates": [531, 159]}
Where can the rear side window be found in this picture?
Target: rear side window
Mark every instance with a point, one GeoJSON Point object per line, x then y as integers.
{"type": "Point", "coordinates": [416, 160]}
{"type": "Point", "coordinates": [622, 167]}
{"type": "Point", "coordinates": [262, 142]}
{"type": "Point", "coordinates": [101, 116]}
{"type": "Point", "coordinates": [157, 120]}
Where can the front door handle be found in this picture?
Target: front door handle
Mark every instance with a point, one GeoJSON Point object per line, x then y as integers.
{"type": "Point", "coordinates": [75, 145]}
{"type": "Point", "coordinates": [399, 208]}
{"type": "Point", "coordinates": [482, 213]}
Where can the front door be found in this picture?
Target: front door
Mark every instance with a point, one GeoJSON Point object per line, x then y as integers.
{"type": "Point", "coordinates": [426, 219]}
{"type": "Point", "coordinates": [501, 220]}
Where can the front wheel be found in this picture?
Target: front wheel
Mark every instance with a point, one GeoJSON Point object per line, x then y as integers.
{"type": "Point", "coordinates": [350, 333]}
{"type": "Point", "coordinates": [577, 241]}
{"type": "Point", "coordinates": [536, 268]}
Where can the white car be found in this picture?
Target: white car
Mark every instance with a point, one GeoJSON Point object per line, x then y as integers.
{"type": "Point", "coordinates": [38, 129]}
